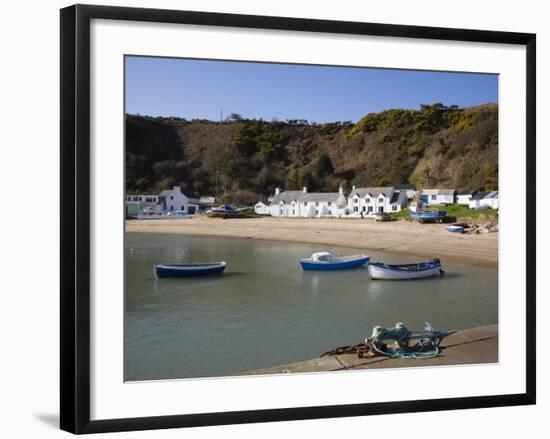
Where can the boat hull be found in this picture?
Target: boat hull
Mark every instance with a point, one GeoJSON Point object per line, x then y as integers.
{"type": "Point", "coordinates": [188, 270]}
{"type": "Point", "coordinates": [425, 217]}
{"type": "Point", "coordinates": [385, 272]}
{"type": "Point", "coordinates": [455, 229]}
{"type": "Point", "coordinates": [333, 265]}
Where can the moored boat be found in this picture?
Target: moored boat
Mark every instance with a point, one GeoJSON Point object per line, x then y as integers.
{"type": "Point", "coordinates": [189, 270]}
{"type": "Point", "coordinates": [327, 261]}
{"type": "Point", "coordinates": [379, 270]}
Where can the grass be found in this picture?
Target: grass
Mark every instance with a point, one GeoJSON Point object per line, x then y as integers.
{"type": "Point", "coordinates": [459, 211]}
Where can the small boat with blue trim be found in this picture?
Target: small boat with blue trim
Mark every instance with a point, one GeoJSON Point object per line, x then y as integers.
{"type": "Point", "coordinates": [455, 228]}
{"type": "Point", "coordinates": [327, 261]}
{"type": "Point", "coordinates": [379, 270]}
{"type": "Point", "coordinates": [189, 270]}
{"type": "Point", "coordinates": [428, 216]}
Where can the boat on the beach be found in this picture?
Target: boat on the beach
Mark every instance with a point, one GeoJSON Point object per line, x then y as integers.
{"type": "Point", "coordinates": [455, 228]}
{"type": "Point", "coordinates": [428, 216]}
{"type": "Point", "coordinates": [379, 270]}
{"type": "Point", "coordinates": [327, 261]}
{"type": "Point", "coordinates": [189, 270]}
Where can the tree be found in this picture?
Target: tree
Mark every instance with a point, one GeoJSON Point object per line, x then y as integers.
{"type": "Point", "coordinates": [307, 180]}
{"type": "Point", "coordinates": [324, 166]}
{"type": "Point", "coordinates": [235, 116]}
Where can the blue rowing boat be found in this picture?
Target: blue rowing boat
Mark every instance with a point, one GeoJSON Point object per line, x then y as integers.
{"type": "Point", "coordinates": [454, 228]}
{"type": "Point", "coordinates": [326, 261]}
{"type": "Point", "coordinates": [426, 216]}
{"type": "Point", "coordinates": [189, 270]}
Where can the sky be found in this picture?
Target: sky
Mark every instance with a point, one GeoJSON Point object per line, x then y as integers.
{"type": "Point", "coordinates": [202, 89]}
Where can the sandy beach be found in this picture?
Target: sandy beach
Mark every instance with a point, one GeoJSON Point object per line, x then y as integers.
{"type": "Point", "coordinates": [426, 240]}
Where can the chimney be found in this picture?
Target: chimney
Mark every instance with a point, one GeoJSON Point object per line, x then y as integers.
{"type": "Point", "coordinates": [177, 189]}
{"type": "Point", "coordinates": [353, 188]}
{"type": "Point", "coordinates": [277, 191]}
{"type": "Point", "coordinates": [341, 190]}
{"type": "Point", "coordinates": [304, 190]}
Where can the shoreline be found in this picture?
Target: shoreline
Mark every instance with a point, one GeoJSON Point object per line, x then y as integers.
{"type": "Point", "coordinates": [425, 240]}
{"type": "Point", "coordinates": [477, 345]}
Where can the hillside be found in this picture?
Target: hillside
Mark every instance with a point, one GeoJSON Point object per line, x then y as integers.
{"type": "Point", "coordinates": [244, 160]}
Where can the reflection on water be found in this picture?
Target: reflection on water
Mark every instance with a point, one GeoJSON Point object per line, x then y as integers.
{"type": "Point", "coordinates": [266, 311]}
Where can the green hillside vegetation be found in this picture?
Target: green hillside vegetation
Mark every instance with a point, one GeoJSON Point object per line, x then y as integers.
{"type": "Point", "coordinates": [458, 211]}
{"type": "Point", "coordinates": [242, 161]}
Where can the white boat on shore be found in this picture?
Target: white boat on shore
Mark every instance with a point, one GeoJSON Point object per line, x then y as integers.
{"type": "Point", "coordinates": [379, 270]}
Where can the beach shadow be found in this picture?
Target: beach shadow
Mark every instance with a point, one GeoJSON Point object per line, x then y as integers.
{"type": "Point", "coordinates": [49, 419]}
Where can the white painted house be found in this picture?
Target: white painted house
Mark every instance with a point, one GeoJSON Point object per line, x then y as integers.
{"type": "Point", "coordinates": [464, 197]}
{"type": "Point", "coordinates": [261, 208]}
{"type": "Point", "coordinates": [438, 196]}
{"type": "Point", "coordinates": [490, 200]}
{"type": "Point", "coordinates": [308, 204]}
{"type": "Point", "coordinates": [137, 204]}
{"type": "Point", "coordinates": [369, 200]}
{"type": "Point", "coordinates": [475, 201]}
{"type": "Point", "coordinates": [174, 199]}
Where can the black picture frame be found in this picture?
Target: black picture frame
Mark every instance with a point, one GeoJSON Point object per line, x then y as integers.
{"type": "Point", "coordinates": [75, 217]}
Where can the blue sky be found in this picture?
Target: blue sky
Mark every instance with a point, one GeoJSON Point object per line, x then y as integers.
{"type": "Point", "coordinates": [201, 88]}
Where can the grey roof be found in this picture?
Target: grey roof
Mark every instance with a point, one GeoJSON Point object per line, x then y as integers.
{"type": "Point", "coordinates": [372, 191]}
{"type": "Point", "coordinates": [493, 194]}
{"type": "Point", "coordinates": [466, 192]}
{"type": "Point", "coordinates": [286, 196]}
{"type": "Point", "coordinates": [446, 192]}
{"type": "Point", "coordinates": [289, 196]}
{"type": "Point", "coordinates": [439, 191]}
{"type": "Point", "coordinates": [479, 195]}
{"type": "Point", "coordinates": [399, 198]}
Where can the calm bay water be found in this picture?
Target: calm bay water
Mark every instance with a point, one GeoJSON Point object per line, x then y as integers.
{"type": "Point", "coordinates": [266, 311]}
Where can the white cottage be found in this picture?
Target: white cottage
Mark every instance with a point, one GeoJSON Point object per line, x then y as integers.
{"type": "Point", "coordinates": [175, 200]}
{"type": "Point", "coordinates": [490, 200]}
{"type": "Point", "coordinates": [476, 200]}
{"type": "Point", "coordinates": [261, 208]}
{"type": "Point", "coordinates": [438, 196]}
{"type": "Point", "coordinates": [138, 204]}
{"type": "Point", "coordinates": [308, 204]}
{"type": "Point", "coordinates": [369, 200]}
{"type": "Point", "coordinates": [464, 197]}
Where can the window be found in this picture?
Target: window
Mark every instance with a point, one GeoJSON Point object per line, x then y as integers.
{"type": "Point", "coordinates": [316, 204]}
{"type": "Point", "coordinates": [367, 200]}
{"type": "Point", "coordinates": [355, 200]}
{"type": "Point", "coordinates": [171, 208]}
{"type": "Point", "coordinates": [381, 200]}
{"type": "Point", "coordinates": [370, 209]}
{"type": "Point", "coordinates": [305, 203]}
{"type": "Point", "coordinates": [171, 197]}
{"type": "Point", "coordinates": [330, 203]}
{"type": "Point", "coordinates": [364, 208]}
{"type": "Point", "coordinates": [330, 212]}
{"type": "Point", "coordinates": [356, 209]}
{"type": "Point", "coordinates": [433, 197]}
{"type": "Point", "coordinates": [394, 208]}
{"type": "Point", "coordinates": [182, 207]}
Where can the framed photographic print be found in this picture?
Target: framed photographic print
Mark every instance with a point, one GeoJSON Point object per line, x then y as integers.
{"type": "Point", "coordinates": [259, 212]}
